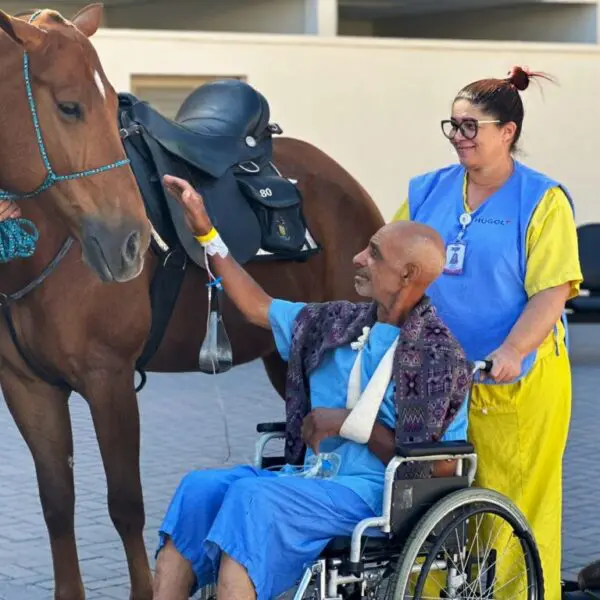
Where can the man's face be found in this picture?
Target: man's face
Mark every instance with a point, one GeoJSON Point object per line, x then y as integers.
{"type": "Point", "coordinates": [379, 269]}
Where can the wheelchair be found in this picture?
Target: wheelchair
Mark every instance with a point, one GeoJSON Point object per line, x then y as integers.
{"type": "Point", "coordinates": [426, 536]}
{"type": "Point", "coordinates": [427, 542]}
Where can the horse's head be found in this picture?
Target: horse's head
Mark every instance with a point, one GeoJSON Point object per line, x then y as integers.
{"type": "Point", "coordinates": [76, 107]}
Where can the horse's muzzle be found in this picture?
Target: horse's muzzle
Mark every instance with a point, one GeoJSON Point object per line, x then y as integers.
{"type": "Point", "coordinates": [115, 253]}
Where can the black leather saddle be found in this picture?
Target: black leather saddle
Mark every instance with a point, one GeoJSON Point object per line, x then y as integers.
{"type": "Point", "coordinates": [221, 141]}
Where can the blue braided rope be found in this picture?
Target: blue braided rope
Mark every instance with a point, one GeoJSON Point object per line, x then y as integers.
{"type": "Point", "coordinates": [15, 240]}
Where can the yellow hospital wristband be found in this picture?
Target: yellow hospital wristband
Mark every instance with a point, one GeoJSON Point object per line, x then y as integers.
{"type": "Point", "coordinates": [208, 237]}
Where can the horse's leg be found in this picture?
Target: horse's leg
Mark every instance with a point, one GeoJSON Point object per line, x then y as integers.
{"type": "Point", "coordinates": [276, 369]}
{"type": "Point", "coordinates": [41, 413]}
{"type": "Point", "coordinates": [113, 405]}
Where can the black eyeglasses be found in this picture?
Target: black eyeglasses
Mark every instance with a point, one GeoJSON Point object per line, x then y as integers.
{"type": "Point", "coordinates": [468, 127]}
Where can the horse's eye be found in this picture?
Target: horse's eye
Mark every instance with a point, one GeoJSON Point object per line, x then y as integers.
{"type": "Point", "coordinates": [71, 110]}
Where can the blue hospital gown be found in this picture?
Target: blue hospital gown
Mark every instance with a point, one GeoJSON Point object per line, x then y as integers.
{"type": "Point", "coordinates": [277, 525]}
{"type": "Point", "coordinates": [360, 469]}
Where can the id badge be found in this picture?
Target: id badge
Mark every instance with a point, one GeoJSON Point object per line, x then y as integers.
{"type": "Point", "coordinates": [455, 258]}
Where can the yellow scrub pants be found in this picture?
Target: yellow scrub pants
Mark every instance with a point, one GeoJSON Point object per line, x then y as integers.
{"type": "Point", "coordinates": [519, 431]}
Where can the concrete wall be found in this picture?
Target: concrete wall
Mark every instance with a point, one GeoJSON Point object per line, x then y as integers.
{"type": "Point", "coordinates": [534, 23]}
{"type": "Point", "coordinates": [375, 105]}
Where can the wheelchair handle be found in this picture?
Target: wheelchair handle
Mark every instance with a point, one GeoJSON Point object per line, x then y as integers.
{"type": "Point", "coordinates": [485, 366]}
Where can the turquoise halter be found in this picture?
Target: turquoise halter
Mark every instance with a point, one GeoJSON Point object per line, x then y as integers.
{"type": "Point", "coordinates": [16, 242]}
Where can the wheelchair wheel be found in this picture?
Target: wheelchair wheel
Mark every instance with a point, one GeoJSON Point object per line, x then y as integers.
{"type": "Point", "coordinates": [473, 544]}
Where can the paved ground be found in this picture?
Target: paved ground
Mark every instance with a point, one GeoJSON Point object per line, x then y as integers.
{"type": "Point", "coordinates": [182, 428]}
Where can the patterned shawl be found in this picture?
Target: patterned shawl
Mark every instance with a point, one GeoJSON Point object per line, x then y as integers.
{"type": "Point", "coordinates": [431, 373]}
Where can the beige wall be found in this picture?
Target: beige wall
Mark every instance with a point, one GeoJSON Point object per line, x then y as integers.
{"type": "Point", "coordinates": [375, 105]}
{"type": "Point", "coordinates": [534, 23]}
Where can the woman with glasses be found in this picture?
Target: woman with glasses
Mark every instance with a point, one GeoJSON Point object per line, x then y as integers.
{"type": "Point", "coordinates": [511, 264]}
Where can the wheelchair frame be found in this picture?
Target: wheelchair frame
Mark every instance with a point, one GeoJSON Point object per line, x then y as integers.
{"type": "Point", "coordinates": [410, 506]}
{"type": "Point", "coordinates": [460, 451]}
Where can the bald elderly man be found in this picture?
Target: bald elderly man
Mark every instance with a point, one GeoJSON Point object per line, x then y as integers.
{"type": "Point", "coordinates": [254, 531]}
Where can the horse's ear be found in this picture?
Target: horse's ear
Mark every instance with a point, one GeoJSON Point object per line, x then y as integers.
{"type": "Point", "coordinates": [89, 18]}
{"type": "Point", "coordinates": [21, 32]}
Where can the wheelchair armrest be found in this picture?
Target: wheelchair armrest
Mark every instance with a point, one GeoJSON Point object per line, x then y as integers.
{"type": "Point", "coordinates": [278, 427]}
{"type": "Point", "coordinates": [433, 449]}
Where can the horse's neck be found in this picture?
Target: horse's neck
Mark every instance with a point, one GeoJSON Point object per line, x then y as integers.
{"type": "Point", "coordinates": [15, 274]}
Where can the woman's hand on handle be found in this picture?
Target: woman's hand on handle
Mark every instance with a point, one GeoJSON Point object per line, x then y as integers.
{"type": "Point", "coordinates": [506, 363]}
{"type": "Point", "coordinates": [536, 322]}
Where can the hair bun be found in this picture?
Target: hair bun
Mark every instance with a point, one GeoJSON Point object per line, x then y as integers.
{"type": "Point", "coordinates": [520, 78]}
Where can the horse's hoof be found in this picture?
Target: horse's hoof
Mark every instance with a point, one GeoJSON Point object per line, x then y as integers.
{"type": "Point", "coordinates": [589, 577]}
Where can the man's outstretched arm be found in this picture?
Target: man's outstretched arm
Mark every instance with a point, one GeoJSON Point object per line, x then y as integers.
{"type": "Point", "coordinates": [251, 300]}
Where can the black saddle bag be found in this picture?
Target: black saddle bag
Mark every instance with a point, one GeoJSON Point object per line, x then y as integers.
{"type": "Point", "coordinates": [277, 204]}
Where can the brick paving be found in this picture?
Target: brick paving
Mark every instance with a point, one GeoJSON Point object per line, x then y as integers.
{"type": "Point", "coordinates": [182, 428]}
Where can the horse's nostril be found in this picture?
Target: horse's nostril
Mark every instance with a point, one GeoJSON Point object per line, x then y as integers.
{"type": "Point", "coordinates": [132, 247]}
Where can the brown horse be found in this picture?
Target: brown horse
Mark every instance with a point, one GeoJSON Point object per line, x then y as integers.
{"type": "Point", "coordinates": [86, 323]}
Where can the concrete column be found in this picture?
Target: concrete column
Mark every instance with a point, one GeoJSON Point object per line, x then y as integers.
{"type": "Point", "coordinates": [321, 17]}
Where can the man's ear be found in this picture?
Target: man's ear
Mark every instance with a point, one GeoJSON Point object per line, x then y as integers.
{"type": "Point", "coordinates": [21, 32]}
{"type": "Point", "coordinates": [411, 272]}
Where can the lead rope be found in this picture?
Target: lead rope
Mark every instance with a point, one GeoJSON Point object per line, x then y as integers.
{"type": "Point", "coordinates": [18, 239]}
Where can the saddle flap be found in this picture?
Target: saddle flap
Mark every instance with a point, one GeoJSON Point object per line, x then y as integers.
{"type": "Point", "coordinates": [227, 208]}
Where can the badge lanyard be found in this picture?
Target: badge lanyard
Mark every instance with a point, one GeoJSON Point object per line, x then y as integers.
{"type": "Point", "coordinates": [455, 252]}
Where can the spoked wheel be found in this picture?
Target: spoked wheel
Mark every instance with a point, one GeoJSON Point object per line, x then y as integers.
{"type": "Point", "coordinates": [472, 545]}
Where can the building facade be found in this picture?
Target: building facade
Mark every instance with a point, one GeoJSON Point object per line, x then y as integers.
{"type": "Point", "coordinates": [335, 75]}
{"type": "Point", "coordinates": [566, 21]}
